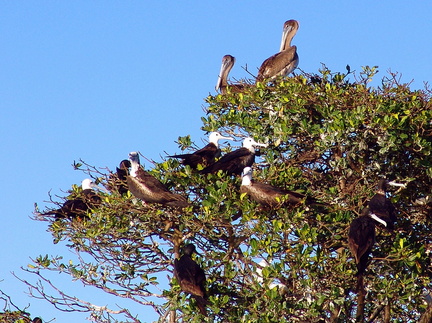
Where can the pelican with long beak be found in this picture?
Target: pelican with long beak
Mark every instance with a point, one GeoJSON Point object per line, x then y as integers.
{"type": "Point", "coordinates": [235, 161]}
{"type": "Point", "coordinates": [206, 155]}
{"type": "Point", "coordinates": [222, 82]}
{"type": "Point", "coordinates": [284, 62]}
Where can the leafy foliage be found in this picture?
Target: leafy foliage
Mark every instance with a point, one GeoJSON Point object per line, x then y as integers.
{"type": "Point", "coordinates": [329, 137]}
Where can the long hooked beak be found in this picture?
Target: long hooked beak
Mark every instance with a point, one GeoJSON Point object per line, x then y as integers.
{"type": "Point", "coordinates": [260, 144]}
{"type": "Point", "coordinates": [227, 138]}
{"type": "Point", "coordinates": [397, 184]}
{"type": "Point", "coordinates": [376, 218]}
{"type": "Point", "coordinates": [285, 33]}
{"type": "Point", "coordinates": [224, 66]}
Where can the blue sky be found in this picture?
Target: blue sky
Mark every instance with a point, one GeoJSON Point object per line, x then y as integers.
{"type": "Point", "coordinates": [96, 80]}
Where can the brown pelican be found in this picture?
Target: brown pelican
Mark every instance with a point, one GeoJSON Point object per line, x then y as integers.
{"type": "Point", "coordinates": [205, 156]}
{"type": "Point", "coordinates": [284, 62]}
{"type": "Point", "coordinates": [78, 206]}
{"type": "Point", "coordinates": [268, 195]}
{"type": "Point", "coordinates": [222, 82]}
{"type": "Point", "coordinates": [191, 277]}
{"type": "Point", "coordinates": [234, 162]}
{"type": "Point", "coordinates": [149, 189]}
{"type": "Point", "coordinates": [381, 207]}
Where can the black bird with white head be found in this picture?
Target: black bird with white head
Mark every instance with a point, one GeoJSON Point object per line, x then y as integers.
{"type": "Point", "coordinates": [77, 207]}
{"type": "Point", "coordinates": [381, 207]}
{"type": "Point", "coordinates": [191, 277]}
{"type": "Point", "coordinates": [284, 62]}
{"type": "Point", "coordinates": [235, 161]}
{"type": "Point", "coordinates": [148, 188]}
{"type": "Point", "coordinates": [206, 155]}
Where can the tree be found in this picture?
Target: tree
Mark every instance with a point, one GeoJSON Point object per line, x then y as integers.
{"type": "Point", "coordinates": [13, 314]}
{"type": "Point", "coordinates": [330, 138]}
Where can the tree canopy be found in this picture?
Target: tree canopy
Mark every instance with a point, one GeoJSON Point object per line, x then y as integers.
{"type": "Point", "coordinates": [331, 137]}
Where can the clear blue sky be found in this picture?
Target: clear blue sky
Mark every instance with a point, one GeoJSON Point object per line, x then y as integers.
{"type": "Point", "coordinates": [98, 79]}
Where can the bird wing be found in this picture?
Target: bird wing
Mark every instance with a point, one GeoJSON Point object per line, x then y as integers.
{"type": "Point", "coordinates": [276, 64]}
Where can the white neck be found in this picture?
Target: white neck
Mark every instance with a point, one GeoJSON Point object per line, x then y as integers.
{"type": "Point", "coordinates": [134, 168]}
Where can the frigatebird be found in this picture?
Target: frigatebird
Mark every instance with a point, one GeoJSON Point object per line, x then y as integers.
{"type": "Point", "coordinates": [381, 207]}
{"type": "Point", "coordinates": [77, 207]}
{"type": "Point", "coordinates": [148, 188]}
{"type": "Point", "coordinates": [235, 161]}
{"type": "Point", "coordinates": [269, 195]}
{"type": "Point", "coordinates": [191, 277]}
{"type": "Point", "coordinates": [117, 181]}
{"type": "Point", "coordinates": [284, 62]}
{"type": "Point", "coordinates": [206, 155]}
{"type": "Point", "coordinates": [222, 82]}
{"type": "Point", "coordinates": [361, 238]}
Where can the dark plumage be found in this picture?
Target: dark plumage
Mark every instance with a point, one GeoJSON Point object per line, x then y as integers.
{"type": "Point", "coordinates": [361, 238]}
{"type": "Point", "coordinates": [191, 277]}
{"type": "Point", "coordinates": [78, 206]}
{"type": "Point", "coordinates": [118, 180]}
{"type": "Point", "coordinates": [284, 62]}
{"type": "Point", "coordinates": [222, 82]}
{"type": "Point", "coordinates": [205, 156]}
{"type": "Point", "coordinates": [268, 195]}
{"type": "Point", "coordinates": [149, 189]}
{"type": "Point", "coordinates": [234, 162]}
{"type": "Point", "coordinates": [381, 206]}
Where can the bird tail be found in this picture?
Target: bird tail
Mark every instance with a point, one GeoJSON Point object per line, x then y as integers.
{"type": "Point", "coordinates": [201, 303]}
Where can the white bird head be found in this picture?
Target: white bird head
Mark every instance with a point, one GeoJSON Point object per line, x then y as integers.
{"type": "Point", "coordinates": [214, 138]}
{"type": "Point", "coordinates": [250, 143]}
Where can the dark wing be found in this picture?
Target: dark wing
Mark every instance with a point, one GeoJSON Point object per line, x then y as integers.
{"type": "Point", "coordinates": [149, 189]}
{"type": "Point", "coordinates": [190, 275]}
{"type": "Point", "coordinates": [233, 162]}
{"type": "Point", "coordinates": [361, 238]}
{"type": "Point", "coordinates": [205, 156]}
{"type": "Point", "coordinates": [281, 63]}
{"type": "Point", "coordinates": [271, 195]}
{"type": "Point", "coordinates": [384, 209]}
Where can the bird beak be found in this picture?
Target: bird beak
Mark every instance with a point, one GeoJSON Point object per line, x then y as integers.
{"type": "Point", "coordinates": [218, 84]}
{"type": "Point", "coordinates": [397, 184]}
{"type": "Point", "coordinates": [260, 145]}
{"type": "Point", "coordinates": [376, 218]}
{"type": "Point", "coordinates": [227, 138]}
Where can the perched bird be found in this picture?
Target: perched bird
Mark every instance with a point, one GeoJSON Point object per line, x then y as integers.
{"type": "Point", "coordinates": [191, 277]}
{"type": "Point", "coordinates": [77, 207]}
{"type": "Point", "coordinates": [149, 189]}
{"type": "Point", "coordinates": [118, 181]}
{"type": "Point", "coordinates": [268, 195]}
{"type": "Point", "coordinates": [381, 207]}
{"type": "Point", "coordinates": [206, 155]}
{"type": "Point", "coordinates": [284, 62]}
{"type": "Point", "coordinates": [235, 161]}
{"type": "Point", "coordinates": [222, 82]}
{"type": "Point", "coordinates": [361, 238]}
